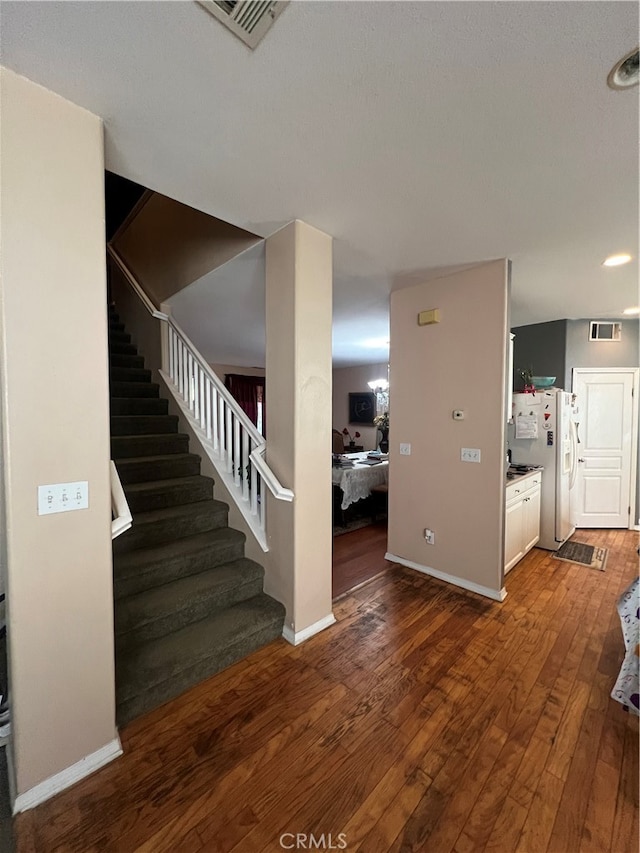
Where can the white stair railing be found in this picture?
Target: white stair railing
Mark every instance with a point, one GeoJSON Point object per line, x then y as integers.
{"type": "Point", "coordinates": [226, 434]}
{"type": "Point", "coordinates": [120, 512]}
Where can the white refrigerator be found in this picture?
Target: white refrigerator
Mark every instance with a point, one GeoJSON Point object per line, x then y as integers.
{"type": "Point", "coordinates": [543, 433]}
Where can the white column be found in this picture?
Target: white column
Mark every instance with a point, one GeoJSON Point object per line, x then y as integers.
{"type": "Point", "coordinates": [299, 283]}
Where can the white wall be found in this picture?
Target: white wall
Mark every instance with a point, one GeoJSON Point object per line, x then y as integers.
{"type": "Point", "coordinates": [54, 378]}
{"type": "Point", "coordinates": [459, 363]}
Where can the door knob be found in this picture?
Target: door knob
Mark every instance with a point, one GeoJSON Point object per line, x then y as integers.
{"type": "Point", "coordinates": [580, 460]}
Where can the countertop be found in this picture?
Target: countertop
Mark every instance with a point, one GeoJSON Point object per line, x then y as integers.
{"type": "Point", "coordinates": [516, 476]}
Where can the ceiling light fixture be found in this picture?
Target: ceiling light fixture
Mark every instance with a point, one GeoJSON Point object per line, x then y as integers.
{"type": "Point", "coordinates": [624, 73]}
{"type": "Point", "coordinates": [634, 310]}
{"type": "Point", "coordinates": [616, 260]}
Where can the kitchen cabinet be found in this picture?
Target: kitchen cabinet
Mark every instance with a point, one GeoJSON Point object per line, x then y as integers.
{"type": "Point", "coordinates": [522, 517]}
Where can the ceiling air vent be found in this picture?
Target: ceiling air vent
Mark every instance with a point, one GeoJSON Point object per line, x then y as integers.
{"type": "Point", "coordinates": [605, 331]}
{"type": "Point", "coordinates": [248, 19]}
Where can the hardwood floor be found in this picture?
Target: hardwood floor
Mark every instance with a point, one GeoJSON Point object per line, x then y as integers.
{"type": "Point", "coordinates": [427, 719]}
{"type": "Point", "coordinates": [358, 556]}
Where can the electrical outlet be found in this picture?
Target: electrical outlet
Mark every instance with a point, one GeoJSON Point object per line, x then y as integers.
{"type": "Point", "coordinates": [429, 536]}
{"type": "Point", "coordinates": [63, 497]}
{"type": "Point", "coordinates": [405, 450]}
{"type": "Point", "coordinates": [469, 454]}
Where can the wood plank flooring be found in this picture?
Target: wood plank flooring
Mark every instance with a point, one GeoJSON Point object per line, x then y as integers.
{"type": "Point", "coordinates": [358, 556]}
{"type": "Point", "coordinates": [426, 719]}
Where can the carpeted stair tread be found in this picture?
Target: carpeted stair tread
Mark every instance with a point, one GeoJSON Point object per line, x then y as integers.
{"type": "Point", "coordinates": [145, 568]}
{"type": "Point", "coordinates": [123, 349]}
{"type": "Point", "coordinates": [139, 406]}
{"type": "Point", "coordinates": [116, 337]}
{"type": "Point", "coordinates": [127, 446]}
{"type": "Point", "coordinates": [126, 360]}
{"type": "Point", "coordinates": [157, 612]}
{"type": "Point", "coordinates": [130, 374]}
{"type": "Point", "coordinates": [143, 469]}
{"type": "Point", "coordinates": [156, 494]}
{"type": "Point", "coordinates": [135, 389]}
{"type": "Point", "coordinates": [199, 647]}
{"type": "Point", "coordinates": [176, 522]}
{"type": "Point", "coordinates": [143, 424]}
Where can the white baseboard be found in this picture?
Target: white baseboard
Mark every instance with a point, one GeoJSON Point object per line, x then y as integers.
{"type": "Point", "coordinates": [496, 595]}
{"type": "Point", "coordinates": [54, 784]}
{"type": "Point", "coordinates": [297, 637]}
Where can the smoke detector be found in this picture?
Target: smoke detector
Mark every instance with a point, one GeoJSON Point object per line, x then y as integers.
{"type": "Point", "coordinates": [624, 73]}
{"type": "Point", "coordinates": [249, 20]}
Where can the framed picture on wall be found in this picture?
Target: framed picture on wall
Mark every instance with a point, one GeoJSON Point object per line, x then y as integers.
{"type": "Point", "coordinates": [362, 407]}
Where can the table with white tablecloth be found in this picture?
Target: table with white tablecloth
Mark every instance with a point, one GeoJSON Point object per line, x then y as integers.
{"type": "Point", "coordinates": [356, 483]}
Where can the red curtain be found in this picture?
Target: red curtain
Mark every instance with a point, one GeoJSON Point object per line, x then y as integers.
{"type": "Point", "coordinates": [248, 391]}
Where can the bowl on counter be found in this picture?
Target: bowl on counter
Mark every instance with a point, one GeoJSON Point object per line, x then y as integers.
{"type": "Point", "coordinates": [542, 381]}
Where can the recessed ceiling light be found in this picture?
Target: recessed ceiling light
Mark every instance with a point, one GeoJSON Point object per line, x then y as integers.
{"type": "Point", "coordinates": [634, 310]}
{"type": "Point", "coordinates": [624, 73]}
{"type": "Point", "coordinates": [616, 260]}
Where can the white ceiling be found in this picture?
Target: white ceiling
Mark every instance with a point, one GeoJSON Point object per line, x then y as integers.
{"type": "Point", "coordinates": [420, 135]}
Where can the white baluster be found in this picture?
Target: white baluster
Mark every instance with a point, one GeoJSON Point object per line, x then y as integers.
{"type": "Point", "coordinates": [247, 473]}
{"type": "Point", "coordinates": [255, 479]}
{"type": "Point", "coordinates": [207, 415]}
{"type": "Point", "coordinates": [237, 455]}
{"type": "Point", "coordinates": [196, 390]}
{"type": "Point", "coordinates": [182, 370]}
{"type": "Point", "coordinates": [262, 515]}
{"type": "Point", "coordinates": [176, 368]}
{"type": "Point", "coordinates": [203, 419]}
{"type": "Point", "coordinates": [175, 357]}
{"type": "Point", "coordinates": [229, 439]}
{"type": "Point", "coordinates": [170, 333]}
{"type": "Point", "coordinates": [214, 418]}
{"type": "Point", "coordinates": [222, 426]}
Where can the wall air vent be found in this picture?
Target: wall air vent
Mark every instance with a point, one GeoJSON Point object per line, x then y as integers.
{"type": "Point", "coordinates": [249, 20]}
{"type": "Point", "coordinates": [601, 331]}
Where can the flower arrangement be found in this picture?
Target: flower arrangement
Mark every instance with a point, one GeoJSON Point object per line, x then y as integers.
{"type": "Point", "coordinates": [382, 421]}
{"type": "Point", "coordinates": [345, 431]}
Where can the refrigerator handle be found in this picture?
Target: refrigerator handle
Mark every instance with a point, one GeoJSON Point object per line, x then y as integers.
{"type": "Point", "coordinates": [573, 432]}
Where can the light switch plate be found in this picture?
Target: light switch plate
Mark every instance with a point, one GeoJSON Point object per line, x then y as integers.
{"type": "Point", "coordinates": [469, 454]}
{"type": "Point", "coordinates": [63, 497]}
{"type": "Point", "coordinates": [405, 450]}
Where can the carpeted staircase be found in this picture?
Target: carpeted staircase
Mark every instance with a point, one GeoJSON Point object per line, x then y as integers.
{"type": "Point", "coordinates": [188, 603]}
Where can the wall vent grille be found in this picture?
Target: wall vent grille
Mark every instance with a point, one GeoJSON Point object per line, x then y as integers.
{"type": "Point", "coordinates": [604, 331]}
{"type": "Point", "coordinates": [249, 20]}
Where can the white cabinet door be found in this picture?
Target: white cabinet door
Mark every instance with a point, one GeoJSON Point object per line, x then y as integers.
{"type": "Point", "coordinates": [513, 534]}
{"type": "Point", "coordinates": [531, 520]}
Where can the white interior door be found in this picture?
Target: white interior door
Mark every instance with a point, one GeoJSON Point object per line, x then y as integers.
{"type": "Point", "coordinates": [606, 425]}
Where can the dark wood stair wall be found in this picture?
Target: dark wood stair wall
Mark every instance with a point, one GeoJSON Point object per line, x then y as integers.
{"type": "Point", "coordinates": [187, 601]}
